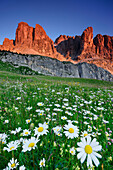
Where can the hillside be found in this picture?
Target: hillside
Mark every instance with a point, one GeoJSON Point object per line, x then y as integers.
{"type": "Point", "coordinates": [53, 67]}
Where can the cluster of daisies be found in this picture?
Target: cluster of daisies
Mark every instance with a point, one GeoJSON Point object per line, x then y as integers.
{"type": "Point", "coordinates": [86, 148]}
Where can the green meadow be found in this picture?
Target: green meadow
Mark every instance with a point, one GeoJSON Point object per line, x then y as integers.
{"type": "Point", "coordinates": [54, 123]}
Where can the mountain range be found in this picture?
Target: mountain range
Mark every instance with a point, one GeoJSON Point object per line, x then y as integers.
{"type": "Point", "coordinates": [76, 49]}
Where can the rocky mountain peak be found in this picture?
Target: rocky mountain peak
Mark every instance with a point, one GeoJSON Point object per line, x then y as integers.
{"type": "Point", "coordinates": [84, 48]}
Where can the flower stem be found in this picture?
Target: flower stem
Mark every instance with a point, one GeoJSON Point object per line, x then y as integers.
{"type": "Point", "coordinates": [33, 160]}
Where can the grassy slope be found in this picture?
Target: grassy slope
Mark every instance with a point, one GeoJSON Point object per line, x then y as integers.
{"type": "Point", "coordinates": [9, 72]}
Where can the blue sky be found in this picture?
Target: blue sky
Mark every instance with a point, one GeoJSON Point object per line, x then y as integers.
{"type": "Point", "coordinates": [69, 17]}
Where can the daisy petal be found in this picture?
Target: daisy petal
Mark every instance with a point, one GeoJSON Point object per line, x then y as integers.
{"type": "Point", "coordinates": [80, 149]}
{"type": "Point", "coordinates": [80, 144]}
{"type": "Point", "coordinates": [89, 160]}
{"type": "Point", "coordinates": [88, 140]}
{"type": "Point", "coordinates": [83, 157]}
{"type": "Point", "coordinates": [97, 148]}
{"type": "Point", "coordinates": [83, 141]}
{"type": "Point", "coordinates": [96, 154]}
{"type": "Point", "coordinates": [95, 160]}
{"type": "Point", "coordinates": [79, 155]}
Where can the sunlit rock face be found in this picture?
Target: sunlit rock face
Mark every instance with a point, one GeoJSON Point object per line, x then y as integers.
{"type": "Point", "coordinates": [84, 48]}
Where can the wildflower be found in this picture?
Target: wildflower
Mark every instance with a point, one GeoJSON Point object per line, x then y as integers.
{"type": "Point", "coordinates": [18, 98]}
{"type": "Point", "coordinates": [41, 130]}
{"type": "Point", "coordinates": [40, 104]}
{"type": "Point", "coordinates": [6, 121]}
{"type": "Point", "coordinates": [57, 129]}
{"type": "Point", "coordinates": [42, 162]}
{"type": "Point", "coordinates": [63, 117]}
{"type": "Point", "coordinates": [13, 145]}
{"type": "Point", "coordinates": [89, 149]}
{"type": "Point", "coordinates": [3, 141]}
{"type": "Point", "coordinates": [26, 132]}
{"type": "Point", "coordinates": [72, 151]}
{"type": "Point", "coordinates": [13, 164]}
{"type": "Point", "coordinates": [13, 132]}
{"type": "Point", "coordinates": [110, 158]}
{"type": "Point", "coordinates": [72, 131]}
{"type": "Point", "coordinates": [28, 121]}
{"type": "Point", "coordinates": [85, 134]}
{"type": "Point", "coordinates": [30, 144]}
{"type": "Point", "coordinates": [3, 136]}
{"type": "Point", "coordinates": [29, 108]}
{"type": "Point", "coordinates": [18, 129]}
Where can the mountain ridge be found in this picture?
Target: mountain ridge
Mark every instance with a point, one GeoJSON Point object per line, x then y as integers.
{"type": "Point", "coordinates": [29, 40]}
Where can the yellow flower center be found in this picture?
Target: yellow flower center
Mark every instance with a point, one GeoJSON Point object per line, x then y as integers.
{"type": "Point", "coordinates": [85, 134]}
{"type": "Point", "coordinates": [3, 142]}
{"type": "Point", "coordinates": [42, 163]}
{"type": "Point", "coordinates": [26, 133]}
{"type": "Point", "coordinates": [13, 165]}
{"type": "Point", "coordinates": [57, 129]}
{"type": "Point", "coordinates": [88, 149]}
{"type": "Point", "coordinates": [11, 147]}
{"type": "Point", "coordinates": [40, 129]}
{"type": "Point", "coordinates": [28, 121]}
{"type": "Point", "coordinates": [71, 130]}
{"type": "Point", "coordinates": [71, 151]}
{"type": "Point", "coordinates": [31, 144]}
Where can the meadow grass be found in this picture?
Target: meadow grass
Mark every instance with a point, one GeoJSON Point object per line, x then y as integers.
{"type": "Point", "coordinates": [27, 102]}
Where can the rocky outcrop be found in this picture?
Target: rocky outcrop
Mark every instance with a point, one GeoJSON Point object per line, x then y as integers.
{"type": "Point", "coordinates": [84, 48]}
{"type": "Point", "coordinates": [8, 44]}
{"type": "Point", "coordinates": [75, 49]}
{"type": "Point", "coordinates": [54, 67]}
{"type": "Point", "coordinates": [24, 35]}
{"type": "Point", "coordinates": [31, 40]}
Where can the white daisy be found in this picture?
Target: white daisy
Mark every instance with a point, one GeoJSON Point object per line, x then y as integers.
{"type": "Point", "coordinates": [13, 145]}
{"type": "Point", "coordinates": [3, 136]}
{"type": "Point", "coordinates": [63, 117]}
{"type": "Point", "coordinates": [13, 164]}
{"type": "Point", "coordinates": [72, 151]}
{"type": "Point", "coordinates": [84, 134]}
{"type": "Point", "coordinates": [57, 130]}
{"type": "Point", "coordinates": [28, 121]}
{"type": "Point", "coordinates": [26, 132]}
{"type": "Point", "coordinates": [30, 144]}
{"type": "Point", "coordinates": [29, 108]}
{"type": "Point", "coordinates": [18, 129]}
{"type": "Point", "coordinates": [72, 131]}
{"type": "Point", "coordinates": [41, 130]}
{"type": "Point", "coordinates": [42, 162]}
{"type": "Point", "coordinates": [89, 149]}
{"type": "Point", "coordinates": [6, 121]}
{"type": "Point", "coordinates": [40, 104]}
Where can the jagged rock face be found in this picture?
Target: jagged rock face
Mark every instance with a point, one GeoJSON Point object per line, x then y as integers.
{"type": "Point", "coordinates": [82, 48]}
{"type": "Point", "coordinates": [8, 44]}
{"type": "Point", "coordinates": [42, 43]}
{"type": "Point", "coordinates": [31, 40]}
{"type": "Point", "coordinates": [104, 45]}
{"type": "Point", "coordinates": [24, 35]}
{"type": "Point", "coordinates": [87, 38]}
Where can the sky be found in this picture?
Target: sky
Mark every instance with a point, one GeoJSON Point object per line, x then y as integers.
{"type": "Point", "coordinates": [57, 17]}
